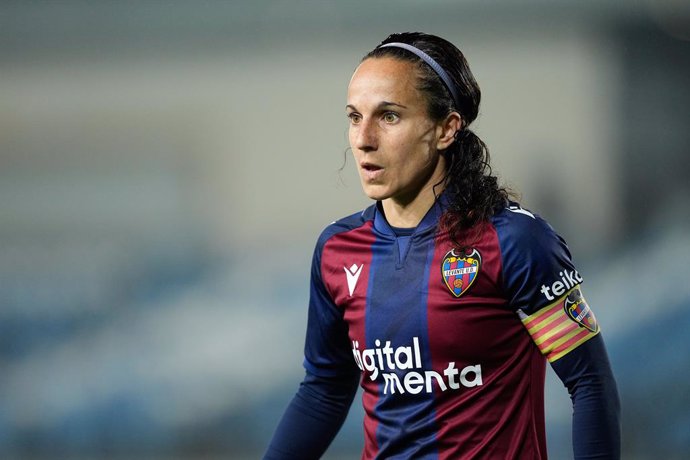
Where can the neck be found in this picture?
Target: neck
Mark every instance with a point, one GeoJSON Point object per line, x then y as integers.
{"type": "Point", "coordinates": [408, 214]}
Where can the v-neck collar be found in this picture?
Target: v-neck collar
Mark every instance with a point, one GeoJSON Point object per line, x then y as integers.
{"type": "Point", "coordinates": [428, 223]}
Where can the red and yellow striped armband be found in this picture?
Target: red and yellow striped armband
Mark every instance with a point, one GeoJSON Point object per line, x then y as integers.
{"type": "Point", "coordinates": [559, 328]}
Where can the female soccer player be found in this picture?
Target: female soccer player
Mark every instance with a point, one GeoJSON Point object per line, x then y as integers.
{"type": "Point", "coordinates": [444, 299]}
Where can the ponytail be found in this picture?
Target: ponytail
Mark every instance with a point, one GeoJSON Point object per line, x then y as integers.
{"type": "Point", "coordinates": [472, 192]}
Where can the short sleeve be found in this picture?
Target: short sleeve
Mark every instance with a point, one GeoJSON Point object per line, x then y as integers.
{"type": "Point", "coordinates": [542, 284]}
{"type": "Point", "coordinates": [327, 352]}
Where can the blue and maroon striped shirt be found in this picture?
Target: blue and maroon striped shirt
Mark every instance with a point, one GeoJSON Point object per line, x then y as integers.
{"type": "Point", "coordinates": [450, 346]}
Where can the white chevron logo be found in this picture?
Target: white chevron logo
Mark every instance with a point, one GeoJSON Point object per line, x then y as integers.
{"type": "Point", "coordinates": [352, 276]}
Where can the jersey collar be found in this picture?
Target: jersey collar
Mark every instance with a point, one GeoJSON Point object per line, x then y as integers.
{"type": "Point", "coordinates": [428, 224]}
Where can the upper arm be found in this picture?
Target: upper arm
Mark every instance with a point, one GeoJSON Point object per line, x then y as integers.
{"type": "Point", "coordinates": [327, 351]}
{"type": "Point", "coordinates": [542, 284]}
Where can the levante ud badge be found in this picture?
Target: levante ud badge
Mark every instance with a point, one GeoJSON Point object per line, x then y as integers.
{"type": "Point", "coordinates": [578, 310]}
{"type": "Point", "coordinates": [460, 270]}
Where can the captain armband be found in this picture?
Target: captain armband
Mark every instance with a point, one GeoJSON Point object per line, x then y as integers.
{"type": "Point", "coordinates": [562, 326]}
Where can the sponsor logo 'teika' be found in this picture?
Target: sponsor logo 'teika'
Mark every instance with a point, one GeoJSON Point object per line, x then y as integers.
{"type": "Point", "coordinates": [569, 279]}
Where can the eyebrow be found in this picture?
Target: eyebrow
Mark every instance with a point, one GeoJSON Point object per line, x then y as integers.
{"type": "Point", "coordinates": [381, 105]}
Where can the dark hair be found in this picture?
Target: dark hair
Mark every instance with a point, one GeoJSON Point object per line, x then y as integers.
{"type": "Point", "coordinates": [473, 192]}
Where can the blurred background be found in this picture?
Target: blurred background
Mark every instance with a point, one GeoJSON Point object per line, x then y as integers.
{"type": "Point", "coordinates": [166, 168]}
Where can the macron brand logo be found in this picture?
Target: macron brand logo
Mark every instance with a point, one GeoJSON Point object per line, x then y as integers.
{"type": "Point", "coordinates": [569, 279]}
{"type": "Point", "coordinates": [352, 276]}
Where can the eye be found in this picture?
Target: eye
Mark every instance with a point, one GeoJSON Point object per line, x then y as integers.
{"type": "Point", "coordinates": [354, 117]}
{"type": "Point", "coordinates": [390, 117]}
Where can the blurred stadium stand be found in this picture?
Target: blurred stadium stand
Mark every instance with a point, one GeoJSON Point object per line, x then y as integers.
{"type": "Point", "coordinates": [166, 167]}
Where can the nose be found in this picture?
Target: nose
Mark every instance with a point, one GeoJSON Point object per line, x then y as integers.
{"type": "Point", "coordinates": [364, 136]}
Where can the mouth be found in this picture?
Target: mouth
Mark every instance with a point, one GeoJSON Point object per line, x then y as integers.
{"type": "Point", "coordinates": [370, 166]}
{"type": "Point", "coordinates": [370, 171]}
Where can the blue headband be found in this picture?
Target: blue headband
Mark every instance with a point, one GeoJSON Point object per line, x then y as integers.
{"type": "Point", "coordinates": [433, 64]}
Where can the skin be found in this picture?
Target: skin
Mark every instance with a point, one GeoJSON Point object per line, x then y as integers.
{"type": "Point", "coordinates": [395, 143]}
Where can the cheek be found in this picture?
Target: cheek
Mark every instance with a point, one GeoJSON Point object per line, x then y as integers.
{"type": "Point", "coordinates": [355, 155]}
{"type": "Point", "coordinates": [410, 152]}
{"type": "Point", "coordinates": [417, 162]}
{"type": "Point", "coordinates": [353, 133]}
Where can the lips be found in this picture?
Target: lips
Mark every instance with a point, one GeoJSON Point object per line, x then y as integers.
{"type": "Point", "coordinates": [370, 166]}
{"type": "Point", "coordinates": [371, 171]}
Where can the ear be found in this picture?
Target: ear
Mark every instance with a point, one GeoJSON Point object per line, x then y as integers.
{"type": "Point", "coordinates": [447, 129]}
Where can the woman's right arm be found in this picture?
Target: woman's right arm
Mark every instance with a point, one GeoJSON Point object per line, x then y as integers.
{"type": "Point", "coordinates": [323, 400]}
{"type": "Point", "coordinates": [313, 418]}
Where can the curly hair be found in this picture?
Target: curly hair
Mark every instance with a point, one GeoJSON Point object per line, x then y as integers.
{"type": "Point", "coordinates": [472, 191]}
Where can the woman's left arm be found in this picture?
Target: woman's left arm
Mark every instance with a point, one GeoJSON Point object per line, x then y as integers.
{"type": "Point", "coordinates": [586, 373]}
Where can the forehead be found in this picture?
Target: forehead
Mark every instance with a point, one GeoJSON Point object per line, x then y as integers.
{"type": "Point", "coordinates": [384, 79]}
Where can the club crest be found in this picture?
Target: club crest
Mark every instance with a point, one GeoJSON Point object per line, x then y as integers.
{"type": "Point", "coordinates": [577, 309]}
{"type": "Point", "coordinates": [460, 271]}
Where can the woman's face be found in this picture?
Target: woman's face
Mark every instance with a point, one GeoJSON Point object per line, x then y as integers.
{"type": "Point", "coordinates": [394, 142]}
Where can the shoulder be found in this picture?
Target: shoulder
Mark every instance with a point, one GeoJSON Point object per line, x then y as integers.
{"type": "Point", "coordinates": [353, 222]}
{"type": "Point", "coordinates": [522, 230]}
{"type": "Point", "coordinates": [518, 222]}
{"type": "Point", "coordinates": [534, 258]}
{"type": "Point", "coordinates": [339, 240]}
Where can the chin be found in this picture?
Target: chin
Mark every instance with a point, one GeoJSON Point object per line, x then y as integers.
{"type": "Point", "coordinates": [375, 192]}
